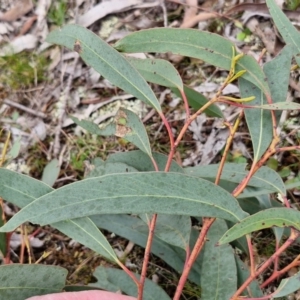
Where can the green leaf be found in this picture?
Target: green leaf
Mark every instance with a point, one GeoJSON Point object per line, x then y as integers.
{"type": "Point", "coordinates": [250, 205]}
{"type": "Point", "coordinates": [135, 230]}
{"type": "Point", "coordinates": [51, 172]}
{"type": "Point", "coordinates": [130, 127]}
{"type": "Point", "coordinates": [248, 192]}
{"type": "Point", "coordinates": [84, 231]}
{"type": "Point", "coordinates": [105, 60]}
{"type": "Point", "coordinates": [140, 161]}
{"type": "Point", "coordinates": [294, 184]}
{"type": "Point", "coordinates": [211, 48]}
{"type": "Point", "coordinates": [157, 71]}
{"type": "Point", "coordinates": [15, 149]}
{"type": "Point", "coordinates": [218, 277]}
{"type": "Point", "coordinates": [265, 203]}
{"type": "Point", "coordinates": [89, 126]}
{"type": "Point", "coordinates": [280, 217]}
{"type": "Point", "coordinates": [287, 286]}
{"type": "Point", "coordinates": [3, 240]}
{"type": "Point", "coordinates": [292, 4]}
{"type": "Point", "coordinates": [137, 193]}
{"type": "Point", "coordinates": [174, 230]}
{"type": "Point", "coordinates": [265, 177]}
{"type": "Point", "coordinates": [115, 280]}
{"type": "Point", "coordinates": [281, 64]}
{"type": "Point", "coordinates": [251, 191]}
{"type": "Point", "coordinates": [110, 168]}
{"type": "Point", "coordinates": [19, 282]}
{"type": "Point", "coordinates": [28, 189]}
{"type": "Point", "coordinates": [259, 121]}
{"type": "Point", "coordinates": [126, 125]}
{"type": "Point", "coordinates": [289, 33]}
{"type": "Point", "coordinates": [254, 73]}
{"type": "Point", "coordinates": [197, 100]}
{"type": "Point", "coordinates": [253, 290]}
{"type": "Point", "coordinates": [279, 106]}
{"type": "Point", "coordinates": [20, 189]}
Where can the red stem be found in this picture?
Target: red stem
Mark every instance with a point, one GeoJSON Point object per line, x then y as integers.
{"type": "Point", "coordinates": [291, 148]}
{"type": "Point", "coordinates": [129, 273]}
{"type": "Point", "coordinates": [276, 274]}
{"type": "Point", "coordinates": [186, 104]}
{"type": "Point", "coordinates": [194, 254]}
{"type": "Point", "coordinates": [266, 264]}
{"type": "Point", "coordinates": [146, 257]}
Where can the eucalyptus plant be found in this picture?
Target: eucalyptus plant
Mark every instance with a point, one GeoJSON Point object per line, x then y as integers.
{"type": "Point", "coordinates": [146, 197]}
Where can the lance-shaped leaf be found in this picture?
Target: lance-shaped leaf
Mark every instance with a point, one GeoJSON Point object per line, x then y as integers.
{"type": "Point", "coordinates": [289, 33]}
{"type": "Point", "coordinates": [51, 172]}
{"type": "Point", "coordinates": [157, 71]}
{"type": "Point", "coordinates": [287, 286]}
{"type": "Point", "coordinates": [19, 282]}
{"type": "Point", "coordinates": [137, 193]}
{"type": "Point", "coordinates": [109, 168]}
{"type": "Point", "coordinates": [135, 230]}
{"type": "Point", "coordinates": [84, 231]}
{"type": "Point", "coordinates": [293, 184]}
{"type": "Point", "coordinates": [20, 189]}
{"type": "Point", "coordinates": [251, 191]}
{"type": "Point", "coordinates": [279, 217]}
{"type": "Point", "coordinates": [90, 126]}
{"type": "Point", "coordinates": [197, 100]}
{"type": "Point", "coordinates": [281, 64]}
{"type": "Point", "coordinates": [279, 106]}
{"type": "Point", "coordinates": [265, 203]}
{"type": "Point", "coordinates": [248, 192]}
{"type": "Point", "coordinates": [253, 290]}
{"type": "Point", "coordinates": [218, 270]}
{"type": "Point", "coordinates": [115, 280]}
{"type": "Point", "coordinates": [211, 48]}
{"type": "Point", "coordinates": [3, 238]}
{"type": "Point", "coordinates": [105, 60]}
{"type": "Point", "coordinates": [140, 161]}
{"type": "Point", "coordinates": [162, 72]}
{"type": "Point", "coordinates": [23, 190]}
{"type": "Point", "coordinates": [258, 120]}
{"type": "Point", "coordinates": [174, 230]}
{"type": "Point", "coordinates": [264, 178]}
{"type": "Point", "coordinates": [126, 125]}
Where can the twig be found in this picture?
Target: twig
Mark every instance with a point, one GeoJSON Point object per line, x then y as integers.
{"type": "Point", "coordinates": [146, 256]}
{"type": "Point", "coordinates": [64, 100]}
{"type": "Point", "coordinates": [164, 9]}
{"type": "Point", "coordinates": [24, 108]}
{"type": "Point", "coordinates": [153, 111]}
{"type": "Point", "coordinates": [276, 274]}
{"type": "Point", "coordinates": [148, 247]}
{"type": "Point", "coordinates": [194, 254]}
{"type": "Point", "coordinates": [294, 235]}
{"type": "Point", "coordinates": [83, 263]}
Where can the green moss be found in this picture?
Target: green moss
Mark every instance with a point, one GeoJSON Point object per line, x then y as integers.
{"type": "Point", "coordinates": [88, 147]}
{"type": "Point", "coordinates": [57, 12]}
{"type": "Point", "coordinates": [266, 247]}
{"type": "Point", "coordinates": [22, 70]}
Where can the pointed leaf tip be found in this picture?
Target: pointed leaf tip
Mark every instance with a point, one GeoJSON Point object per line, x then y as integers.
{"type": "Point", "coordinates": [105, 60]}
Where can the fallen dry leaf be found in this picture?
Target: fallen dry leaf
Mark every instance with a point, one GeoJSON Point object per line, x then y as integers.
{"type": "Point", "coordinates": [265, 33]}
{"type": "Point", "coordinates": [105, 8]}
{"type": "Point", "coordinates": [191, 19]}
{"type": "Point", "coordinates": [20, 9]}
{"type": "Point", "coordinates": [28, 41]}
{"type": "Point", "coordinates": [261, 8]}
